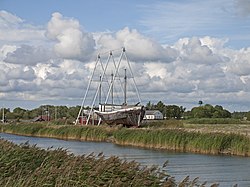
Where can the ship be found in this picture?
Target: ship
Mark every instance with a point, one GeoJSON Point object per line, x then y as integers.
{"type": "Point", "coordinates": [114, 114]}
{"type": "Point", "coordinates": [127, 116]}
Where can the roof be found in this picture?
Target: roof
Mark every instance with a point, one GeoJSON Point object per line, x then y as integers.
{"type": "Point", "coordinates": [151, 112]}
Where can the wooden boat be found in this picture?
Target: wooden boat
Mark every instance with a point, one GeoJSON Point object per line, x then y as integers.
{"type": "Point", "coordinates": [114, 114]}
{"type": "Point", "coordinates": [127, 116]}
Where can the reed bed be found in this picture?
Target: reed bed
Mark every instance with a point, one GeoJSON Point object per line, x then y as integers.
{"type": "Point", "coordinates": [25, 165]}
{"type": "Point", "coordinates": [180, 140]}
{"type": "Point", "coordinates": [177, 139]}
{"type": "Point", "coordinates": [86, 133]}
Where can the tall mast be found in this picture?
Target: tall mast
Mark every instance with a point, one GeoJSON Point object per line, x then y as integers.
{"type": "Point", "coordinates": [112, 89]}
{"type": "Point", "coordinates": [125, 87]}
{"type": "Point", "coordinates": [3, 116]}
{"type": "Point", "coordinates": [100, 90]}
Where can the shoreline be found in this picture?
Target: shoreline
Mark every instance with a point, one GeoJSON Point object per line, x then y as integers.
{"type": "Point", "coordinates": [167, 139]}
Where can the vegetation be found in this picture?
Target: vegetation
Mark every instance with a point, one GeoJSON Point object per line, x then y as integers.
{"type": "Point", "coordinates": [55, 112]}
{"type": "Point", "coordinates": [214, 121]}
{"type": "Point", "coordinates": [25, 165]}
{"type": "Point", "coordinates": [168, 111]}
{"type": "Point", "coordinates": [29, 166]}
{"type": "Point", "coordinates": [176, 136]}
{"type": "Point", "coordinates": [208, 111]}
{"type": "Point", "coordinates": [86, 133]}
{"type": "Point", "coordinates": [180, 140]}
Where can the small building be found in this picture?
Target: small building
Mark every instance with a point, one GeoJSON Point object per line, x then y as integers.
{"type": "Point", "coordinates": [153, 115]}
{"type": "Point", "coordinates": [41, 118]}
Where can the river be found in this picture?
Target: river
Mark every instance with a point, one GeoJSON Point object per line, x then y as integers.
{"type": "Point", "coordinates": [225, 170]}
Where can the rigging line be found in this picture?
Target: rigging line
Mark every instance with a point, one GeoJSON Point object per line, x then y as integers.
{"type": "Point", "coordinates": [137, 92]}
{"type": "Point", "coordinates": [118, 75]}
{"type": "Point", "coordinates": [119, 62]}
{"type": "Point", "coordinates": [89, 83]}
{"type": "Point", "coordinates": [93, 102]}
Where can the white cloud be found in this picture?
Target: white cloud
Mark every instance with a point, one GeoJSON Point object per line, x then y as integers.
{"type": "Point", "coordinates": [139, 47]}
{"type": "Point", "coordinates": [14, 29]}
{"type": "Point", "coordinates": [28, 55]}
{"type": "Point", "coordinates": [71, 41]}
{"type": "Point", "coordinates": [243, 7]}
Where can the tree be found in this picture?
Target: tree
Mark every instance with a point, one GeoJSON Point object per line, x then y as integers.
{"type": "Point", "coordinates": [200, 102]}
{"type": "Point", "coordinates": [160, 106]}
{"type": "Point", "coordinates": [174, 111]}
{"type": "Point", "coordinates": [208, 111]}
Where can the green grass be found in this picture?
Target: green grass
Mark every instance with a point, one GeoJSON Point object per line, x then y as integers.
{"type": "Point", "coordinates": [180, 140]}
{"type": "Point", "coordinates": [26, 165]}
{"type": "Point", "coordinates": [214, 121]}
{"type": "Point", "coordinates": [169, 135]}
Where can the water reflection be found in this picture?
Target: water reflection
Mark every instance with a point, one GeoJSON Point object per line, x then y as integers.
{"type": "Point", "coordinates": [225, 170]}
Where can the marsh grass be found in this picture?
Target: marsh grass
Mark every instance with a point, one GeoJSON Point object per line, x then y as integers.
{"type": "Point", "coordinates": [180, 140]}
{"type": "Point", "coordinates": [215, 121]}
{"type": "Point", "coordinates": [25, 165]}
{"type": "Point", "coordinates": [177, 139]}
{"type": "Point", "coordinates": [171, 123]}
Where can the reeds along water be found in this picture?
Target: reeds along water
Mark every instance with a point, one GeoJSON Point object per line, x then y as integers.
{"type": "Point", "coordinates": [180, 140]}
{"type": "Point", "coordinates": [171, 139]}
{"type": "Point", "coordinates": [87, 133]}
{"type": "Point", "coordinates": [29, 166]}
{"type": "Point", "coordinates": [25, 165]}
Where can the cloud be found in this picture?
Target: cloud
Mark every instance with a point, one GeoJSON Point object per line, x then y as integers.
{"type": "Point", "coordinates": [71, 41]}
{"type": "Point", "coordinates": [14, 29]}
{"type": "Point", "coordinates": [28, 55]}
{"type": "Point", "coordinates": [243, 7]}
{"type": "Point", "coordinates": [240, 64]}
{"type": "Point", "coordinates": [139, 47]}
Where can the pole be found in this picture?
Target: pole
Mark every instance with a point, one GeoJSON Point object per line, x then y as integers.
{"type": "Point", "coordinates": [100, 90]}
{"type": "Point", "coordinates": [112, 89]}
{"type": "Point", "coordinates": [3, 116]}
{"type": "Point", "coordinates": [125, 87]}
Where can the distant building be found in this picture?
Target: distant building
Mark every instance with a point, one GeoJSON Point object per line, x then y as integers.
{"type": "Point", "coordinates": [153, 115]}
{"type": "Point", "coordinates": [41, 118]}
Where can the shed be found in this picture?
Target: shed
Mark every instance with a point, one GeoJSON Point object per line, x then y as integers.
{"type": "Point", "coordinates": [153, 114]}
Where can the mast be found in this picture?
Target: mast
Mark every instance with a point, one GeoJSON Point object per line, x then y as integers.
{"type": "Point", "coordinates": [125, 87]}
{"type": "Point", "coordinates": [112, 89]}
{"type": "Point", "coordinates": [3, 116]}
{"type": "Point", "coordinates": [100, 90]}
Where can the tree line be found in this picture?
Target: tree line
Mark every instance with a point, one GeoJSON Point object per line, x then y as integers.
{"type": "Point", "coordinates": [54, 112]}
{"type": "Point", "coordinates": [201, 111]}
{"type": "Point", "coordinates": [168, 111]}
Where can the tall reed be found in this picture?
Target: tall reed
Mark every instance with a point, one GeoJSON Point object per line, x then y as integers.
{"type": "Point", "coordinates": [171, 139]}
{"type": "Point", "coordinates": [180, 140]}
{"type": "Point", "coordinates": [25, 165]}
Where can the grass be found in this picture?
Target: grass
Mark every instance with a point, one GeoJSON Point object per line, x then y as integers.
{"type": "Point", "coordinates": [25, 165]}
{"type": "Point", "coordinates": [170, 135]}
{"type": "Point", "coordinates": [180, 140]}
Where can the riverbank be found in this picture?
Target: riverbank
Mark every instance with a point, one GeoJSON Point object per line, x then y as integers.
{"type": "Point", "coordinates": [176, 139]}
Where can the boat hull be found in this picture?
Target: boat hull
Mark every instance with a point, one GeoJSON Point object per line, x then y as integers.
{"type": "Point", "coordinates": [131, 116]}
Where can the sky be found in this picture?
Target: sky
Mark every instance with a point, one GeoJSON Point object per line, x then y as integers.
{"type": "Point", "coordinates": [181, 51]}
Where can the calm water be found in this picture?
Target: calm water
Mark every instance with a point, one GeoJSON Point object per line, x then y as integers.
{"type": "Point", "coordinates": [225, 170]}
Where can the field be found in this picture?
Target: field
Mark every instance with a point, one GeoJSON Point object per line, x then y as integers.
{"type": "Point", "coordinates": [204, 126]}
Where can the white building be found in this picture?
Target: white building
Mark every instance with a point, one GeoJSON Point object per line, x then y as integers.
{"type": "Point", "coordinates": [153, 114]}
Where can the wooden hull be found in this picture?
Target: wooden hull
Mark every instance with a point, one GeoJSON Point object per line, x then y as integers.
{"type": "Point", "coordinates": [131, 116]}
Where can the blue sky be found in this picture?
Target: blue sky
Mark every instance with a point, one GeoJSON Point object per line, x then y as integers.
{"type": "Point", "coordinates": [165, 21]}
{"type": "Point", "coordinates": [182, 50]}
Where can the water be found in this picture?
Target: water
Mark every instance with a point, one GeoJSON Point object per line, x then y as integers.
{"type": "Point", "coordinates": [225, 170]}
